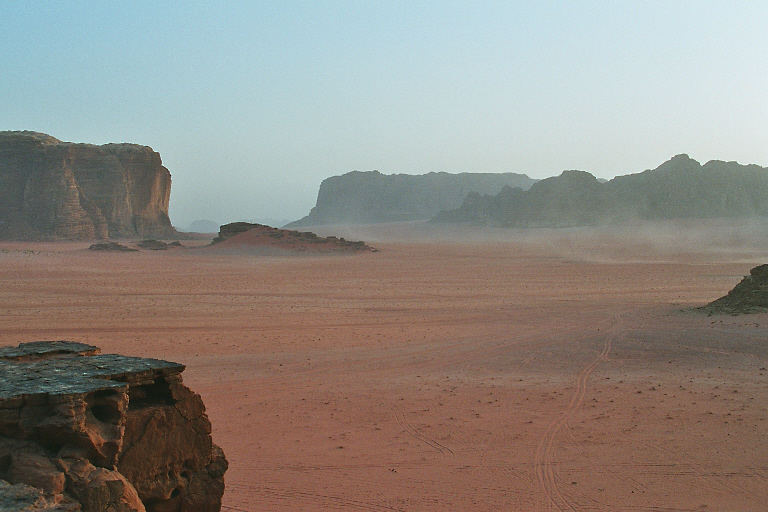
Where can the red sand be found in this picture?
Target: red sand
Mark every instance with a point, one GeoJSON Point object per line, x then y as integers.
{"type": "Point", "coordinates": [437, 376]}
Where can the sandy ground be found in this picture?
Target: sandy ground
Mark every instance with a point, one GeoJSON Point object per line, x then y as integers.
{"type": "Point", "coordinates": [555, 372]}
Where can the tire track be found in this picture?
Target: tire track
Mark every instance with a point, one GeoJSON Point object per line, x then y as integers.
{"type": "Point", "coordinates": [326, 500]}
{"type": "Point", "coordinates": [414, 432]}
{"type": "Point", "coordinates": [543, 464]}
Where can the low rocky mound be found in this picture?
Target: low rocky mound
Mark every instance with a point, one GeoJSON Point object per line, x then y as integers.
{"type": "Point", "coordinates": [111, 247]}
{"type": "Point", "coordinates": [150, 245]}
{"type": "Point", "coordinates": [267, 240]}
{"type": "Point", "coordinates": [158, 245]}
{"type": "Point", "coordinates": [749, 296]}
{"type": "Point", "coordinates": [90, 432]}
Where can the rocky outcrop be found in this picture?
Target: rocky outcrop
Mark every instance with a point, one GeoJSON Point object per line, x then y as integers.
{"type": "Point", "coordinates": [111, 247]}
{"type": "Point", "coordinates": [150, 245]}
{"type": "Point", "coordinates": [158, 245]}
{"type": "Point", "coordinates": [679, 188]}
{"type": "Point", "coordinates": [749, 296]}
{"type": "Point", "coordinates": [240, 236]}
{"type": "Point", "coordinates": [370, 197]}
{"type": "Point", "coordinates": [92, 432]}
{"type": "Point", "coordinates": [60, 190]}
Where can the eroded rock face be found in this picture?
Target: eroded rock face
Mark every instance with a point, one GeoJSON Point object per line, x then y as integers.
{"type": "Point", "coordinates": [86, 431]}
{"type": "Point", "coordinates": [60, 190]}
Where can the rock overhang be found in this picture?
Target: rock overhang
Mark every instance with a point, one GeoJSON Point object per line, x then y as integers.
{"type": "Point", "coordinates": [66, 368]}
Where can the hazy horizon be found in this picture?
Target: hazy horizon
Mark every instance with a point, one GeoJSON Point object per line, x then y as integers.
{"type": "Point", "coordinates": [251, 107]}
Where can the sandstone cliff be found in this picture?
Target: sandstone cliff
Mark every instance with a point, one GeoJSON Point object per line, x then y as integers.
{"type": "Point", "coordinates": [82, 431]}
{"type": "Point", "coordinates": [370, 197]}
{"type": "Point", "coordinates": [59, 190]}
{"type": "Point", "coordinates": [679, 188]}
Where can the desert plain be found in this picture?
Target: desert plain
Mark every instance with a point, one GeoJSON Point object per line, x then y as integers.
{"type": "Point", "coordinates": [495, 371]}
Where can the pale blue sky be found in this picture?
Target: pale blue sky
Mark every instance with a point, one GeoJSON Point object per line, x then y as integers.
{"type": "Point", "coordinates": [252, 104]}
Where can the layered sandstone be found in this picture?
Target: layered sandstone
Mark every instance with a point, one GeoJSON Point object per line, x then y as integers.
{"type": "Point", "coordinates": [83, 431]}
{"type": "Point", "coordinates": [51, 189]}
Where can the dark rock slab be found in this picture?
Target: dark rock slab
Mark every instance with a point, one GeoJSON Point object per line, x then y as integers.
{"type": "Point", "coordinates": [153, 245]}
{"type": "Point", "coordinates": [111, 246]}
{"type": "Point", "coordinates": [46, 349]}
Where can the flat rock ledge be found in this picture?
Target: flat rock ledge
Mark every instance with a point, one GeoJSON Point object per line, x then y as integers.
{"type": "Point", "coordinates": [91, 432]}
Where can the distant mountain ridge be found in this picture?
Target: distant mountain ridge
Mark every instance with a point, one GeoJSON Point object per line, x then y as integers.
{"type": "Point", "coordinates": [678, 188]}
{"type": "Point", "coordinates": [365, 197]}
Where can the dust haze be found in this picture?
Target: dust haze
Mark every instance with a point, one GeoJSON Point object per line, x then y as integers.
{"type": "Point", "coordinates": [744, 239]}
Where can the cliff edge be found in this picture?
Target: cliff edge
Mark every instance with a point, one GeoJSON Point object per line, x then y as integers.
{"type": "Point", "coordinates": [90, 432]}
{"type": "Point", "coordinates": [52, 190]}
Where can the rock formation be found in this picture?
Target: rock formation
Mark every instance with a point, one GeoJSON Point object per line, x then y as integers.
{"type": "Point", "coordinates": [679, 188]}
{"type": "Point", "coordinates": [158, 245]}
{"type": "Point", "coordinates": [749, 296]}
{"type": "Point", "coordinates": [83, 431]}
{"type": "Point", "coordinates": [268, 240]}
{"type": "Point", "coordinates": [111, 247]}
{"type": "Point", "coordinates": [60, 190]}
{"type": "Point", "coordinates": [370, 197]}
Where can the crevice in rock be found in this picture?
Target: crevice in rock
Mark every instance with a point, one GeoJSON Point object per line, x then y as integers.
{"type": "Point", "coordinates": [148, 395]}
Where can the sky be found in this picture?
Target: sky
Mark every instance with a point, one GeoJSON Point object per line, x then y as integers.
{"type": "Point", "coordinates": [252, 104]}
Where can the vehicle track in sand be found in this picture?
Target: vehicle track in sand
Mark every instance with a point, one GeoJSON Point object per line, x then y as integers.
{"type": "Point", "coordinates": [544, 466]}
{"type": "Point", "coordinates": [323, 500]}
{"type": "Point", "coordinates": [416, 434]}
